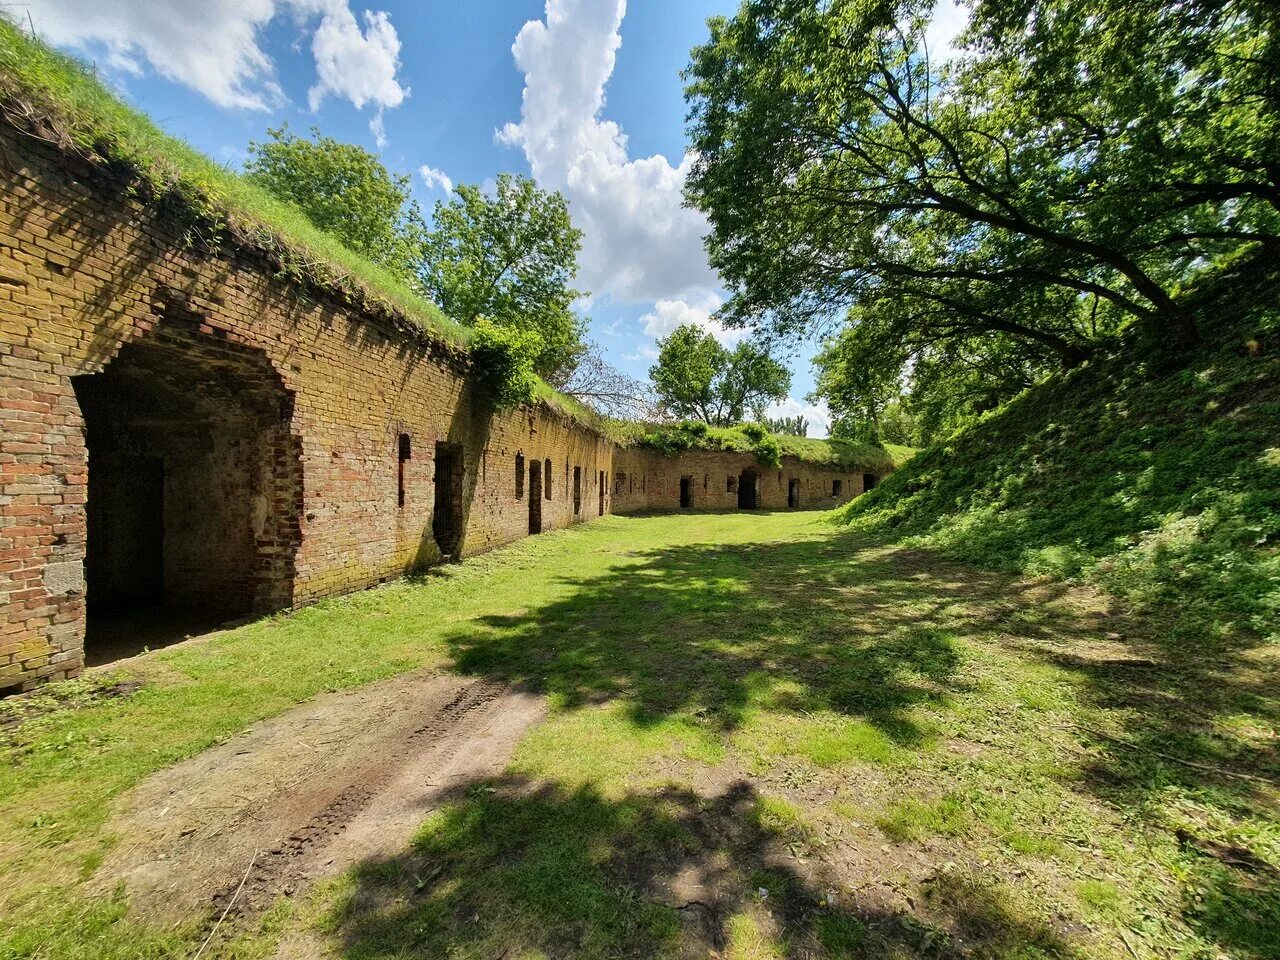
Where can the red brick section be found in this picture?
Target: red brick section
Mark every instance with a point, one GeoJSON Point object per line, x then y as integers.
{"type": "Point", "coordinates": [276, 412]}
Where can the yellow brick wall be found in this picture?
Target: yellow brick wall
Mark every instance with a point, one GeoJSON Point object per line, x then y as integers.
{"type": "Point", "coordinates": [86, 271]}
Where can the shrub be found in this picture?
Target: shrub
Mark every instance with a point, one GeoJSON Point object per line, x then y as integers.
{"type": "Point", "coordinates": [502, 359]}
{"type": "Point", "coordinates": [768, 451]}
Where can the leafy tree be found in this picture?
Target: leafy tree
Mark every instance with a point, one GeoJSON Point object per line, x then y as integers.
{"type": "Point", "coordinates": [796, 426]}
{"type": "Point", "coordinates": [697, 377]}
{"type": "Point", "coordinates": [510, 257]}
{"type": "Point", "coordinates": [346, 191]}
{"type": "Point", "coordinates": [1013, 194]}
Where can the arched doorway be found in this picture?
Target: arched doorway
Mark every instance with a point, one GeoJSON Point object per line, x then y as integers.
{"type": "Point", "coordinates": [194, 494]}
{"type": "Point", "coordinates": [748, 490]}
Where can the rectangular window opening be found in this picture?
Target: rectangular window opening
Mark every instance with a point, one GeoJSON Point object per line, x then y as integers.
{"type": "Point", "coordinates": [519, 476]}
{"type": "Point", "coordinates": [405, 454]}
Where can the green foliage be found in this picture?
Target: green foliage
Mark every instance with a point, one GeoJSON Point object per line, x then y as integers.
{"type": "Point", "coordinates": [796, 426]}
{"type": "Point", "coordinates": [345, 191]}
{"type": "Point", "coordinates": [1016, 208]}
{"type": "Point", "coordinates": [1162, 485]}
{"type": "Point", "coordinates": [697, 377]}
{"type": "Point", "coordinates": [510, 258]}
{"type": "Point", "coordinates": [769, 448]}
{"type": "Point", "coordinates": [504, 360]}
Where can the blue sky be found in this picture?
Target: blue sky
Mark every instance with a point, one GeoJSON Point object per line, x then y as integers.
{"type": "Point", "coordinates": [585, 95]}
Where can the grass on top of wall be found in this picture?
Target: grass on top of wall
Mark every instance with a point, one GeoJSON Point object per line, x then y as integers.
{"type": "Point", "coordinates": [66, 102]}
{"type": "Point", "coordinates": [846, 454]}
{"type": "Point", "coordinates": [65, 98]}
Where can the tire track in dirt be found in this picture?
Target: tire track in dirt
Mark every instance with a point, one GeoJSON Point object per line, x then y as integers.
{"type": "Point", "coordinates": [343, 778]}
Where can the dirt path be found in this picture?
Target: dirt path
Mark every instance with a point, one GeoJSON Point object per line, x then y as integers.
{"type": "Point", "coordinates": [342, 778]}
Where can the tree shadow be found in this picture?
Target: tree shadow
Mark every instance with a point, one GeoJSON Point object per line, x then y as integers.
{"type": "Point", "coordinates": [702, 629]}
{"type": "Point", "coordinates": [515, 869]}
{"type": "Point", "coordinates": [846, 624]}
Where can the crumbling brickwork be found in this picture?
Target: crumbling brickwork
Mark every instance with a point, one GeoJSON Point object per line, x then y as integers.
{"type": "Point", "coordinates": [264, 423]}
{"type": "Point", "coordinates": [182, 427]}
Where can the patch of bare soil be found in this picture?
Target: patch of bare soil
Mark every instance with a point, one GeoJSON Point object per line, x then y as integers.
{"type": "Point", "coordinates": [336, 780]}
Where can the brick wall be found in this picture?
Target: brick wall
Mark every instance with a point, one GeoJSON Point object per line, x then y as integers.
{"type": "Point", "coordinates": [649, 480]}
{"type": "Point", "coordinates": [274, 419]}
{"type": "Point", "coordinates": [283, 444]}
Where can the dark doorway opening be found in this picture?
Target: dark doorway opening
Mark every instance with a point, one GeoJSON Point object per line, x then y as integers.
{"type": "Point", "coordinates": [837, 487]}
{"type": "Point", "coordinates": [869, 480]}
{"type": "Point", "coordinates": [577, 490]}
{"type": "Point", "coordinates": [748, 490]}
{"type": "Point", "coordinates": [404, 455]}
{"type": "Point", "coordinates": [793, 493]}
{"type": "Point", "coordinates": [602, 486]}
{"type": "Point", "coordinates": [535, 497]}
{"type": "Point", "coordinates": [446, 520]}
{"type": "Point", "coordinates": [686, 492]}
{"type": "Point", "coordinates": [194, 491]}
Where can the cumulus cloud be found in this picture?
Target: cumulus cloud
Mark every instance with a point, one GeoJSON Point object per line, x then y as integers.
{"type": "Point", "coordinates": [640, 243]}
{"type": "Point", "coordinates": [355, 65]}
{"type": "Point", "coordinates": [213, 46]}
{"type": "Point", "coordinates": [667, 314]}
{"type": "Point", "coordinates": [435, 178]}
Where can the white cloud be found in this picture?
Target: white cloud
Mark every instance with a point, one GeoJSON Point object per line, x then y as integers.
{"type": "Point", "coordinates": [667, 314]}
{"type": "Point", "coordinates": [948, 21]}
{"type": "Point", "coordinates": [210, 46]}
{"type": "Point", "coordinates": [640, 243]}
{"type": "Point", "coordinates": [436, 178]}
{"type": "Point", "coordinates": [818, 415]}
{"type": "Point", "coordinates": [379, 130]}
{"type": "Point", "coordinates": [213, 46]}
{"type": "Point", "coordinates": [355, 65]}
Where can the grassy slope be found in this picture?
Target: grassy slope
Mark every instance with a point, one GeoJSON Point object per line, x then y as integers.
{"type": "Point", "coordinates": [1162, 486]}
{"type": "Point", "coordinates": [910, 757]}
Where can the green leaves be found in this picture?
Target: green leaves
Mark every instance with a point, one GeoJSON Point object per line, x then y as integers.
{"type": "Point", "coordinates": [996, 216]}
{"type": "Point", "coordinates": [504, 360]}
{"type": "Point", "coordinates": [510, 257]}
{"type": "Point", "coordinates": [697, 377]}
{"type": "Point", "coordinates": [345, 191]}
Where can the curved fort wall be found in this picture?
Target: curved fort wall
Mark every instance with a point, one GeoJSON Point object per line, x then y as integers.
{"type": "Point", "coordinates": [181, 428]}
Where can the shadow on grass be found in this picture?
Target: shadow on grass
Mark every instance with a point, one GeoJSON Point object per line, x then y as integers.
{"type": "Point", "coordinates": [516, 869]}
{"type": "Point", "coordinates": [844, 624]}
{"type": "Point", "coordinates": [708, 630]}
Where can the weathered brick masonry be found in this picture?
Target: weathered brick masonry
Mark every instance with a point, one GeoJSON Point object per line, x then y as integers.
{"type": "Point", "coordinates": [714, 480]}
{"type": "Point", "coordinates": [180, 427]}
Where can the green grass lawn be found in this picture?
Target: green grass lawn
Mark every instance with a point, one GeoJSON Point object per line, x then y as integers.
{"type": "Point", "coordinates": [770, 736]}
